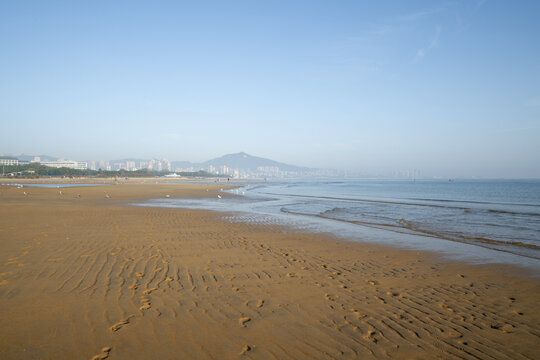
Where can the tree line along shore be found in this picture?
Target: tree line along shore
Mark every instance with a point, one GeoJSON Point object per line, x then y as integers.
{"type": "Point", "coordinates": [35, 170]}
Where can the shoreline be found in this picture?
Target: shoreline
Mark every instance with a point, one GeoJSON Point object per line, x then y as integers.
{"type": "Point", "coordinates": [212, 188]}
{"type": "Point", "coordinates": [109, 180]}
{"type": "Point", "coordinates": [135, 279]}
{"type": "Point", "coordinates": [446, 247]}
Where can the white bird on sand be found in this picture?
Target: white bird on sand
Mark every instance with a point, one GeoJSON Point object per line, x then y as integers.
{"type": "Point", "coordinates": [61, 193]}
{"type": "Point", "coordinates": [107, 196]}
{"type": "Point", "coordinates": [219, 196]}
{"type": "Point", "coordinates": [167, 196]}
{"type": "Point", "coordinates": [25, 193]}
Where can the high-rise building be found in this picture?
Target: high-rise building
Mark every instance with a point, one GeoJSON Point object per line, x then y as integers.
{"type": "Point", "coordinates": [130, 165]}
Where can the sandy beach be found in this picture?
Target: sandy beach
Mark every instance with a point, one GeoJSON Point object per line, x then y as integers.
{"type": "Point", "coordinates": [86, 276]}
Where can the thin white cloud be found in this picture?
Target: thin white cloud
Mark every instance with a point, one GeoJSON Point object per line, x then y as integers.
{"type": "Point", "coordinates": [433, 43]}
{"type": "Point", "coordinates": [371, 34]}
{"type": "Point", "coordinates": [419, 14]}
{"type": "Point", "coordinates": [480, 3]}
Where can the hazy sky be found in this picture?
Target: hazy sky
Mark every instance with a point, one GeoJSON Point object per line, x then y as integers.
{"type": "Point", "coordinates": [451, 88]}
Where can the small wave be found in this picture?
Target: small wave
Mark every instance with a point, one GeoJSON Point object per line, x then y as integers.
{"type": "Point", "coordinates": [501, 242]}
{"type": "Point", "coordinates": [365, 200]}
{"type": "Point", "coordinates": [404, 223]}
{"type": "Point", "coordinates": [496, 211]}
{"type": "Point", "coordinates": [475, 202]}
{"type": "Point", "coordinates": [475, 240]}
{"type": "Point", "coordinates": [334, 210]}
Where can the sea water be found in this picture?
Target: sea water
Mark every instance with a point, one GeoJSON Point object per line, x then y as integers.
{"type": "Point", "coordinates": [484, 220]}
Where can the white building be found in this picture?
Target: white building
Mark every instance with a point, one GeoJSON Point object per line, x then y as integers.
{"type": "Point", "coordinates": [72, 164]}
{"type": "Point", "coordinates": [130, 166]}
{"type": "Point", "coordinates": [8, 160]}
{"type": "Point", "coordinates": [166, 164]}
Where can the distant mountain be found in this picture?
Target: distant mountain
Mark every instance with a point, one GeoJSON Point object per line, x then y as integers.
{"type": "Point", "coordinates": [128, 159]}
{"type": "Point", "coordinates": [240, 161]}
{"type": "Point", "coordinates": [248, 162]}
{"type": "Point", "coordinates": [182, 164]}
{"type": "Point", "coordinates": [244, 163]}
{"type": "Point", "coordinates": [31, 157]}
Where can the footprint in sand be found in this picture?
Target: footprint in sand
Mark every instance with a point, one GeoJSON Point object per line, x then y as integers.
{"type": "Point", "coordinates": [507, 328]}
{"type": "Point", "coordinates": [260, 303]}
{"type": "Point", "coordinates": [371, 336]}
{"type": "Point", "coordinates": [243, 320]}
{"type": "Point", "coordinates": [104, 354]}
{"type": "Point", "coordinates": [359, 314]}
{"type": "Point", "coordinates": [331, 297]}
{"type": "Point", "coordinates": [120, 324]}
{"type": "Point", "coordinates": [145, 303]}
{"type": "Point", "coordinates": [245, 349]}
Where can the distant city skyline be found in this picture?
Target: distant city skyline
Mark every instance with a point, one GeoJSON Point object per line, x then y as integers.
{"type": "Point", "coordinates": [448, 89]}
{"type": "Point", "coordinates": [236, 166]}
{"type": "Point", "coordinates": [163, 164]}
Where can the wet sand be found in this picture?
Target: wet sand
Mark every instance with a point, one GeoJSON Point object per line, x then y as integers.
{"type": "Point", "coordinates": [87, 277]}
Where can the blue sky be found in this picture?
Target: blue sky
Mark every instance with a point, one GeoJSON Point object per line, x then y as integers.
{"type": "Point", "coordinates": [450, 88]}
